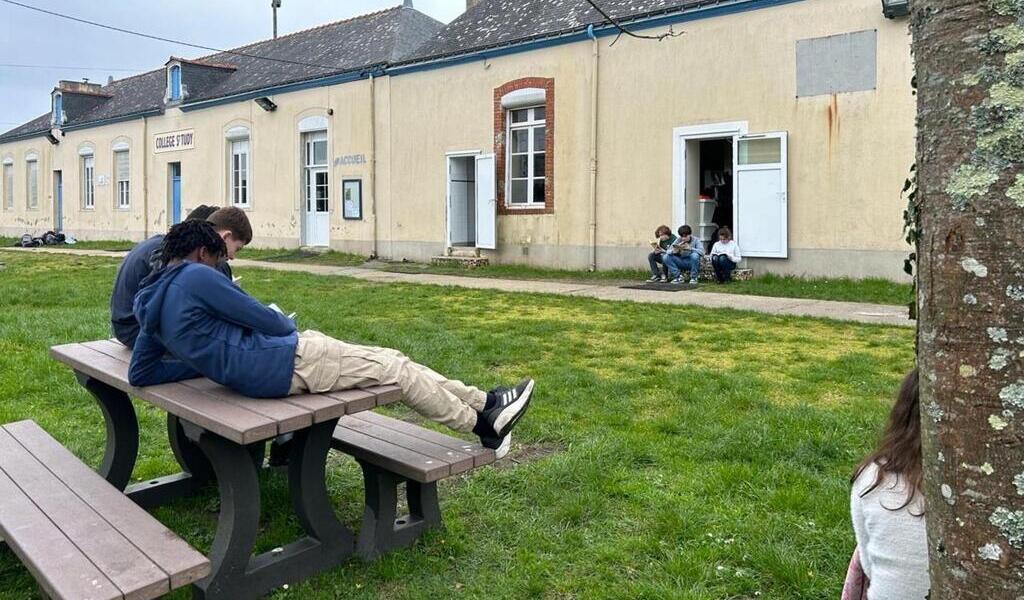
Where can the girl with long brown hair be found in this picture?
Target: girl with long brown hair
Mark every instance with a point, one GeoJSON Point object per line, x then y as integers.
{"type": "Point", "coordinates": [887, 505]}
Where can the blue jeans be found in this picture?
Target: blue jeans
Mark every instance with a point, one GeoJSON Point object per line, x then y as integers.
{"type": "Point", "coordinates": [653, 259]}
{"type": "Point", "coordinates": [723, 267]}
{"type": "Point", "coordinates": [677, 263]}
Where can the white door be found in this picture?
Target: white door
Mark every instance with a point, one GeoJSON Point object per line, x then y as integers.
{"type": "Point", "coordinates": [486, 203]}
{"type": "Point", "coordinates": [761, 212]}
{"type": "Point", "coordinates": [316, 190]}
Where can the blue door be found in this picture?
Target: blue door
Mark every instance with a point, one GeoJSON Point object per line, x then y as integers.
{"type": "Point", "coordinates": [175, 193]}
{"type": "Point", "coordinates": [58, 201]}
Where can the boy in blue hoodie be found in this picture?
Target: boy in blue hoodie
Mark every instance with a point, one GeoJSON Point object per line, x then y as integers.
{"type": "Point", "coordinates": [195, 322]}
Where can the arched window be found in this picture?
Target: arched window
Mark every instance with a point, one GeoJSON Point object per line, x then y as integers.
{"type": "Point", "coordinates": [239, 167]}
{"type": "Point", "coordinates": [57, 113]}
{"type": "Point", "coordinates": [174, 83]}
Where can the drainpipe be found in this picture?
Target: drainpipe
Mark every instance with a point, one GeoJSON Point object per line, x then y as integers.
{"type": "Point", "coordinates": [593, 147]}
{"type": "Point", "coordinates": [373, 162]}
{"type": "Point", "coordinates": [144, 146]}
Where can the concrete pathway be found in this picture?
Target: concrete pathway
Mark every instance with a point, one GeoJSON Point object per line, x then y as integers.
{"type": "Point", "coordinates": [882, 314]}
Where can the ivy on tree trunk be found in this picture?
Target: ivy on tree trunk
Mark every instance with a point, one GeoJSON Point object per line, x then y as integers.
{"type": "Point", "coordinates": [970, 74]}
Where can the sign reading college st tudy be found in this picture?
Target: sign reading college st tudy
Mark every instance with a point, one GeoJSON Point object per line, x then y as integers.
{"type": "Point", "coordinates": [173, 141]}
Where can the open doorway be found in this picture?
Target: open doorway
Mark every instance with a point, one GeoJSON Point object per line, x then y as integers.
{"type": "Point", "coordinates": [709, 202]}
{"type": "Point", "coordinates": [462, 201]}
{"type": "Point", "coordinates": [727, 177]}
{"type": "Point", "coordinates": [471, 201]}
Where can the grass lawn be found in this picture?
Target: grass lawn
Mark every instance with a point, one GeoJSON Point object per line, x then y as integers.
{"type": "Point", "coordinates": [110, 245]}
{"type": "Point", "coordinates": [876, 291]}
{"type": "Point", "coordinates": [330, 258]}
{"type": "Point", "coordinates": [671, 452]}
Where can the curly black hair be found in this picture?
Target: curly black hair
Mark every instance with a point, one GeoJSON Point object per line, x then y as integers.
{"type": "Point", "coordinates": [185, 237]}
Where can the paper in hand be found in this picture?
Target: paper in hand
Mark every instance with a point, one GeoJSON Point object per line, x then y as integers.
{"type": "Point", "coordinates": [278, 310]}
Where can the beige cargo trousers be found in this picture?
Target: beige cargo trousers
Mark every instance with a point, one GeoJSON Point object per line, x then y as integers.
{"type": "Point", "coordinates": [324, 364]}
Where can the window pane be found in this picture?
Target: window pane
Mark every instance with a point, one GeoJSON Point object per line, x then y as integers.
{"type": "Point", "coordinates": [538, 191]}
{"type": "Point", "coordinates": [519, 165]}
{"type": "Point", "coordinates": [520, 116]}
{"type": "Point", "coordinates": [320, 152]}
{"type": "Point", "coordinates": [538, 164]}
{"type": "Point", "coordinates": [321, 192]}
{"type": "Point", "coordinates": [539, 113]}
{"type": "Point", "coordinates": [520, 140]}
{"type": "Point", "coordinates": [518, 192]}
{"type": "Point", "coordinates": [760, 152]}
{"type": "Point", "coordinates": [538, 138]}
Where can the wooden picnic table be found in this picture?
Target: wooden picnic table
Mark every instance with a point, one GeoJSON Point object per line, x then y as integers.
{"type": "Point", "coordinates": [216, 432]}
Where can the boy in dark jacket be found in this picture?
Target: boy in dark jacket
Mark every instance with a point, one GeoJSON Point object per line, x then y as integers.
{"type": "Point", "coordinates": [231, 224]}
{"type": "Point", "coordinates": [209, 327]}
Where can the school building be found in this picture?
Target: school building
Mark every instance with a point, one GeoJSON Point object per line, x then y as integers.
{"type": "Point", "coordinates": [518, 132]}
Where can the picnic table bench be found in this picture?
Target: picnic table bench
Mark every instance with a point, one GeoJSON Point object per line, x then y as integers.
{"type": "Point", "coordinates": [78, 535]}
{"type": "Point", "coordinates": [216, 433]}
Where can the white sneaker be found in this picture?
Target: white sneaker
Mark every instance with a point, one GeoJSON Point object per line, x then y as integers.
{"type": "Point", "coordinates": [693, 282]}
{"type": "Point", "coordinates": [502, 451]}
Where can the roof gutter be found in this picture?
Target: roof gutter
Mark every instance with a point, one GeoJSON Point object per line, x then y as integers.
{"type": "Point", "coordinates": [724, 7]}
{"type": "Point", "coordinates": [121, 119]}
{"type": "Point", "coordinates": [345, 77]}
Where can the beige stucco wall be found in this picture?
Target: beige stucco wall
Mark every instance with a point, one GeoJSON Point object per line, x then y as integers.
{"type": "Point", "coordinates": [848, 153]}
{"type": "Point", "coordinates": [275, 153]}
{"type": "Point", "coordinates": [19, 218]}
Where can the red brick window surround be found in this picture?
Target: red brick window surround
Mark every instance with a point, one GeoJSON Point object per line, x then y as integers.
{"type": "Point", "coordinates": [500, 143]}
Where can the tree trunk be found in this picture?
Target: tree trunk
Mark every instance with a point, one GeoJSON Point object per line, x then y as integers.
{"type": "Point", "coordinates": [970, 75]}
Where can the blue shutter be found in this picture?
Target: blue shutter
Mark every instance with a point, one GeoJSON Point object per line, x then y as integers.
{"type": "Point", "coordinates": [176, 83]}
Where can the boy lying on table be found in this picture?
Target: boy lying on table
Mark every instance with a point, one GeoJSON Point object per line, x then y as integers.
{"type": "Point", "coordinates": [195, 322]}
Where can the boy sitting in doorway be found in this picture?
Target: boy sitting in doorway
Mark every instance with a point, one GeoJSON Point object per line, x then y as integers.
{"type": "Point", "coordinates": [663, 240]}
{"type": "Point", "coordinates": [231, 224]}
{"type": "Point", "coordinates": [684, 255]}
{"type": "Point", "coordinates": [194, 322]}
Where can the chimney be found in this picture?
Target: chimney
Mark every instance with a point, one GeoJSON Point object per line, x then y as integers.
{"type": "Point", "coordinates": [80, 87]}
{"type": "Point", "coordinates": [110, 79]}
{"type": "Point", "coordinates": [470, 4]}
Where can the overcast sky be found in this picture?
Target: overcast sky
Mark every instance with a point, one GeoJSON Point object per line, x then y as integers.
{"type": "Point", "coordinates": [31, 38]}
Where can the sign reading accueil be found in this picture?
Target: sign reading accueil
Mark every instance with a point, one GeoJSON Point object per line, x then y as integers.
{"type": "Point", "coordinates": [173, 141]}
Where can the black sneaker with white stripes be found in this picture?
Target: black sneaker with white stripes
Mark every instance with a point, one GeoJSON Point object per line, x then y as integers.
{"type": "Point", "coordinates": [500, 446]}
{"type": "Point", "coordinates": [506, 406]}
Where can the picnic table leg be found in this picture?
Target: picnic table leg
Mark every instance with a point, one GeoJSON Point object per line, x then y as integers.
{"type": "Point", "coordinates": [236, 573]}
{"type": "Point", "coordinates": [191, 458]}
{"type": "Point", "coordinates": [122, 431]}
{"type": "Point", "coordinates": [307, 483]}
{"type": "Point", "coordinates": [383, 529]}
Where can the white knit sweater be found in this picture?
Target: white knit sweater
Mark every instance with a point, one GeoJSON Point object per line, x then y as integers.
{"type": "Point", "coordinates": [893, 544]}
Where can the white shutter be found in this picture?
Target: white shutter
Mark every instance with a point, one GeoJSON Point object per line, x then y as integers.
{"type": "Point", "coordinates": [121, 165]}
{"type": "Point", "coordinates": [761, 195]}
{"type": "Point", "coordinates": [486, 203]}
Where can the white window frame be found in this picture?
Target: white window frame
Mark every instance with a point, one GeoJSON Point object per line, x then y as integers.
{"type": "Point", "coordinates": [32, 184]}
{"type": "Point", "coordinates": [88, 182]}
{"type": "Point", "coordinates": [530, 124]}
{"type": "Point", "coordinates": [123, 186]}
{"type": "Point", "coordinates": [311, 167]}
{"type": "Point", "coordinates": [8, 183]}
{"type": "Point", "coordinates": [240, 172]}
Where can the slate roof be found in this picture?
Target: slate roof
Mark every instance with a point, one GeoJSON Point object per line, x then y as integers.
{"type": "Point", "coordinates": [495, 23]}
{"type": "Point", "coordinates": [344, 46]}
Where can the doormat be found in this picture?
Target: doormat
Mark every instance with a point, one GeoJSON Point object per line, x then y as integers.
{"type": "Point", "coordinates": [662, 287]}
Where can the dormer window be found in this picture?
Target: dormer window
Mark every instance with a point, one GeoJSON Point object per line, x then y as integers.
{"type": "Point", "coordinates": [57, 110]}
{"type": "Point", "coordinates": [174, 90]}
